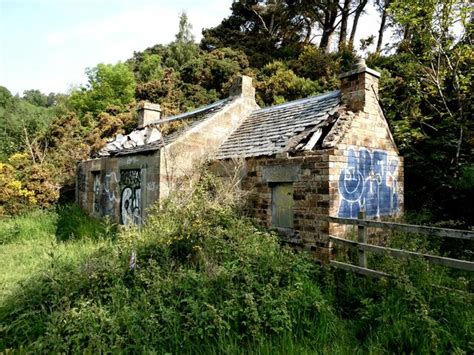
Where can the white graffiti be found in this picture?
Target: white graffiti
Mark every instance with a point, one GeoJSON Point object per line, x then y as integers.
{"type": "Point", "coordinates": [151, 186]}
{"type": "Point", "coordinates": [96, 190]}
{"type": "Point", "coordinates": [130, 200]}
{"type": "Point", "coordinates": [131, 160]}
{"type": "Point", "coordinates": [130, 207]}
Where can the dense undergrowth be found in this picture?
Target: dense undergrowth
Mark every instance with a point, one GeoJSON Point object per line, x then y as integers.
{"type": "Point", "coordinates": [202, 278]}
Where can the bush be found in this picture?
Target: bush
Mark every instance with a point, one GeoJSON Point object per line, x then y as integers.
{"type": "Point", "coordinates": [197, 278]}
{"type": "Point", "coordinates": [421, 309]}
{"type": "Point", "coordinates": [200, 277]}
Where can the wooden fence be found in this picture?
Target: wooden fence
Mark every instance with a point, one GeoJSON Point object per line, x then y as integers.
{"type": "Point", "coordinates": [363, 247]}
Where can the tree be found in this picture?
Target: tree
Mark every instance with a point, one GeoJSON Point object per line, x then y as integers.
{"type": "Point", "coordinates": [19, 121]}
{"type": "Point", "coordinates": [108, 85]}
{"type": "Point", "coordinates": [345, 12]}
{"type": "Point", "coordinates": [330, 11]}
{"type": "Point", "coordinates": [428, 99]}
{"type": "Point", "coordinates": [264, 30]}
{"type": "Point", "coordinates": [382, 7]}
{"type": "Point", "coordinates": [278, 84]}
{"type": "Point", "coordinates": [183, 48]}
{"type": "Point", "coordinates": [150, 68]}
{"type": "Point", "coordinates": [35, 97]}
{"type": "Point", "coordinates": [357, 13]}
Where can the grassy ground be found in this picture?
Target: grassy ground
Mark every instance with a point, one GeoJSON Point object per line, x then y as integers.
{"type": "Point", "coordinates": [201, 279]}
{"type": "Point", "coordinates": [27, 244]}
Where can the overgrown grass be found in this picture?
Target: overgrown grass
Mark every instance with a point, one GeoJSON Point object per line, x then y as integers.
{"type": "Point", "coordinates": [24, 244]}
{"type": "Point", "coordinates": [74, 224]}
{"type": "Point", "coordinates": [201, 278]}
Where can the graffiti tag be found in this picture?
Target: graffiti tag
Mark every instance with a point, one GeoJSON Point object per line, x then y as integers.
{"type": "Point", "coordinates": [130, 202]}
{"type": "Point", "coordinates": [96, 191]}
{"type": "Point", "coordinates": [368, 181]}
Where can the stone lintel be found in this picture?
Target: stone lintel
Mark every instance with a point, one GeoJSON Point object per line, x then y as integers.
{"type": "Point", "coordinates": [280, 173]}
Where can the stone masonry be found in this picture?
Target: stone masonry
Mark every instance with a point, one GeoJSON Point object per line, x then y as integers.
{"type": "Point", "coordinates": [331, 154]}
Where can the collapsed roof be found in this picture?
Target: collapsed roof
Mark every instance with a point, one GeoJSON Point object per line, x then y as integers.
{"type": "Point", "coordinates": [306, 124]}
{"type": "Point", "coordinates": [283, 127]}
{"type": "Point", "coordinates": [150, 138]}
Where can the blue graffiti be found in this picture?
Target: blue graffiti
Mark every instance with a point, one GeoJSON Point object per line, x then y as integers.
{"type": "Point", "coordinates": [368, 181]}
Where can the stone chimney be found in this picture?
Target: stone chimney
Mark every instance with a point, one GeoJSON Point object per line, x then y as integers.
{"type": "Point", "coordinates": [242, 86]}
{"type": "Point", "coordinates": [360, 88]}
{"type": "Point", "coordinates": [148, 113]}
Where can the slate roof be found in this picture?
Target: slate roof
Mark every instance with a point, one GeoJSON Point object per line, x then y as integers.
{"type": "Point", "coordinates": [143, 145]}
{"type": "Point", "coordinates": [271, 130]}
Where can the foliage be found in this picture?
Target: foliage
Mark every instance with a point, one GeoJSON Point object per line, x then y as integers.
{"type": "Point", "coordinates": [202, 278]}
{"type": "Point", "coordinates": [150, 68]}
{"type": "Point", "coordinates": [108, 85]}
{"type": "Point", "coordinates": [74, 224]}
{"type": "Point", "coordinates": [215, 70]}
{"type": "Point", "coordinates": [264, 30]}
{"type": "Point", "coordinates": [37, 98]}
{"type": "Point", "coordinates": [183, 49]}
{"type": "Point", "coordinates": [199, 277]}
{"type": "Point", "coordinates": [278, 84]}
{"type": "Point", "coordinates": [14, 197]}
{"type": "Point", "coordinates": [430, 75]}
{"type": "Point", "coordinates": [20, 121]}
{"type": "Point", "coordinates": [425, 89]}
{"type": "Point", "coordinates": [406, 314]}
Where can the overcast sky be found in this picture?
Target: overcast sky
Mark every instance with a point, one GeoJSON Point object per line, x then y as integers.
{"type": "Point", "coordinates": [47, 44]}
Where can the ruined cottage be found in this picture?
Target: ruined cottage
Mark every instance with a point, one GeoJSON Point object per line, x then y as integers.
{"type": "Point", "coordinates": [331, 154]}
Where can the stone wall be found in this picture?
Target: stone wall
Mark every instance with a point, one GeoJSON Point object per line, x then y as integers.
{"type": "Point", "coordinates": [365, 170]}
{"type": "Point", "coordinates": [309, 174]}
{"type": "Point", "coordinates": [180, 158]}
{"type": "Point", "coordinates": [357, 167]}
{"type": "Point", "coordinates": [124, 187]}
{"type": "Point", "coordinates": [119, 187]}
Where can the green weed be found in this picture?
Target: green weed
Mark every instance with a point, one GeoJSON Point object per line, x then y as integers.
{"type": "Point", "coordinates": [200, 278]}
{"type": "Point", "coordinates": [74, 224]}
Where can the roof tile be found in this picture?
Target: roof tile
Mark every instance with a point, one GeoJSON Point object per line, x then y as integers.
{"type": "Point", "coordinates": [267, 131]}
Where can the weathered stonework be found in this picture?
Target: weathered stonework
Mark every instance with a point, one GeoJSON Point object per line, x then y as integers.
{"type": "Point", "coordinates": [108, 198]}
{"type": "Point", "coordinates": [357, 166]}
{"type": "Point", "coordinates": [331, 154]}
{"type": "Point", "coordinates": [152, 170]}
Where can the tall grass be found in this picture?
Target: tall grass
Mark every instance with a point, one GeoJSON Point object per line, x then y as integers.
{"type": "Point", "coordinates": [201, 278]}
{"type": "Point", "coordinates": [24, 244]}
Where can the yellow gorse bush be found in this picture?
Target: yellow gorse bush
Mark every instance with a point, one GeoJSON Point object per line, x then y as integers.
{"type": "Point", "coordinates": [13, 195]}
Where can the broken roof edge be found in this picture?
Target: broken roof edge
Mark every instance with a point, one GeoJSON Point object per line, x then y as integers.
{"type": "Point", "coordinates": [207, 112]}
{"type": "Point", "coordinates": [276, 155]}
{"type": "Point", "coordinates": [326, 113]}
{"type": "Point", "coordinates": [231, 100]}
{"type": "Point", "coordinates": [300, 101]}
{"type": "Point", "coordinates": [187, 114]}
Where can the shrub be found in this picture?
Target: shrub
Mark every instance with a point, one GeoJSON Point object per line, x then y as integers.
{"type": "Point", "coordinates": [14, 197]}
{"type": "Point", "coordinates": [202, 277]}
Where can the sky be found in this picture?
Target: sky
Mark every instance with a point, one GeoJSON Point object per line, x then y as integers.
{"type": "Point", "coordinates": [48, 44]}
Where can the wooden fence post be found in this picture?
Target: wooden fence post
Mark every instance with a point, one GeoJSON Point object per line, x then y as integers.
{"type": "Point", "coordinates": [362, 238]}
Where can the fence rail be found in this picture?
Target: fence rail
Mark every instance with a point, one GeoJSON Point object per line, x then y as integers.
{"type": "Point", "coordinates": [408, 228]}
{"type": "Point", "coordinates": [363, 247]}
